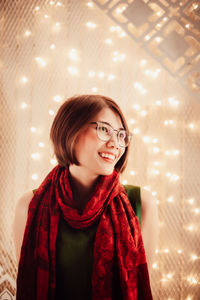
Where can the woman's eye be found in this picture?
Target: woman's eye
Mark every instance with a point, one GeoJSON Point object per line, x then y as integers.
{"type": "Point", "coordinates": [122, 135]}
{"type": "Point", "coordinates": [104, 129]}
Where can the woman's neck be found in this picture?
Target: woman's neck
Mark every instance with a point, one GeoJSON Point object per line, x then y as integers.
{"type": "Point", "coordinates": [82, 184]}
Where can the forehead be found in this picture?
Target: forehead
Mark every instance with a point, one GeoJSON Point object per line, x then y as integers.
{"type": "Point", "coordinates": [109, 116]}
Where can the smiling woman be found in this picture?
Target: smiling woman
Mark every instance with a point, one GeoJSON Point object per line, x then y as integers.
{"type": "Point", "coordinates": [82, 238]}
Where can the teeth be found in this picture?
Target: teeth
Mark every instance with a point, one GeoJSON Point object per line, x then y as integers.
{"type": "Point", "coordinates": [107, 155]}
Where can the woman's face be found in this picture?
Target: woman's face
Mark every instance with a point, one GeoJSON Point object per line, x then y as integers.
{"type": "Point", "coordinates": [89, 148]}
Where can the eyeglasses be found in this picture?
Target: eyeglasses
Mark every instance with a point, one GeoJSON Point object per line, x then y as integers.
{"type": "Point", "coordinates": [105, 133]}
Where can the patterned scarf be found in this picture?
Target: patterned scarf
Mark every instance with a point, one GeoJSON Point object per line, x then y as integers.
{"type": "Point", "coordinates": [118, 238]}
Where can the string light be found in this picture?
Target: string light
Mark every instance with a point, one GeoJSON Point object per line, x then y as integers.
{"type": "Point", "coordinates": [52, 46]}
{"type": "Point", "coordinates": [91, 25]}
{"type": "Point", "coordinates": [73, 55]}
{"type": "Point", "coordinates": [57, 98]}
{"type": "Point", "coordinates": [33, 129]}
{"type": "Point", "coordinates": [108, 41]}
{"type": "Point", "coordinates": [35, 156]}
{"type": "Point", "coordinates": [73, 70]}
{"type": "Point", "coordinates": [27, 33]}
{"type": "Point", "coordinates": [111, 77]}
{"type": "Point", "coordinates": [41, 62]}
{"type": "Point", "coordinates": [41, 144]}
{"type": "Point", "coordinates": [34, 176]}
{"type": "Point", "coordinates": [24, 79]}
{"type": "Point", "coordinates": [23, 105]}
{"type": "Point", "coordinates": [90, 4]}
{"type": "Point", "coordinates": [51, 112]}
{"type": "Point", "coordinates": [91, 73]}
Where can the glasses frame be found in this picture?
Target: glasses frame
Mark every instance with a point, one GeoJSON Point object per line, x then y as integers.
{"type": "Point", "coordinates": [112, 132]}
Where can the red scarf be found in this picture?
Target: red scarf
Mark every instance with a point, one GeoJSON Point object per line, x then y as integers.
{"type": "Point", "coordinates": [118, 233]}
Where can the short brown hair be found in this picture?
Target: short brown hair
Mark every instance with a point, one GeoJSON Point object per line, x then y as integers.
{"type": "Point", "coordinates": [73, 115]}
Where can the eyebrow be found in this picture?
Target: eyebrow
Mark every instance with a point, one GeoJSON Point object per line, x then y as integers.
{"type": "Point", "coordinates": [111, 125]}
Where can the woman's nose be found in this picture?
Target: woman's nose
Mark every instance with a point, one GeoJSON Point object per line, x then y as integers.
{"type": "Point", "coordinates": [113, 141]}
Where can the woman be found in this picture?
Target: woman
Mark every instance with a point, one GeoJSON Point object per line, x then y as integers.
{"type": "Point", "coordinates": [82, 238]}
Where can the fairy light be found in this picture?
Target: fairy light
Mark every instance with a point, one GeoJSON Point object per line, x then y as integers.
{"type": "Point", "coordinates": [158, 39]}
{"type": "Point", "coordinates": [24, 79]}
{"type": "Point", "coordinates": [132, 173]}
{"type": "Point", "coordinates": [27, 33]}
{"type": "Point", "coordinates": [166, 250]}
{"type": "Point", "coordinates": [59, 4]}
{"type": "Point", "coordinates": [191, 201]}
{"type": "Point", "coordinates": [94, 89]}
{"type": "Point", "coordinates": [192, 280]}
{"type": "Point", "coordinates": [146, 139]}
{"type": "Point", "coordinates": [194, 257]}
{"type": "Point", "coordinates": [52, 47]}
{"type": "Point", "coordinates": [147, 37]}
{"type": "Point", "coordinates": [51, 2]}
{"type": "Point", "coordinates": [173, 101]}
{"type": "Point", "coordinates": [170, 199]}
{"type": "Point", "coordinates": [73, 55]}
{"type": "Point", "coordinates": [136, 131]}
{"type": "Point", "coordinates": [34, 176]}
{"type": "Point", "coordinates": [187, 25]}
{"type": "Point", "coordinates": [90, 4]}
{"type": "Point", "coordinates": [111, 77]}
{"type": "Point", "coordinates": [155, 140]}
{"type": "Point", "coordinates": [91, 73]}
{"type": "Point", "coordinates": [72, 70]}
{"type": "Point", "coordinates": [136, 107]}
{"type": "Point", "coordinates": [41, 62]}
{"type": "Point", "coordinates": [46, 16]}
{"type": "Point", "coordinates": [37, 8]}
{"type": "Point", "coordinates": [91, 25]}
{"type": "Point", "coordinates": [155, 266]}
{"type": "Point", "coordinates": [143, 113]}
{"type": "Point", "coordinates": [23, 105]}
{"type": "Point", "coordinates": [51, 112]}
{"type": "Point", "coordinates": [190, 228]}
{"type": "Point", "coordinates": [53, 161]}
{"type": "Point", "coordinates": [57, 98]}
{"type": "Point", "coordinates": [191, 126]}
{"type": "Point", "coordinates": [132, 121]}
{"type": "Point", "coordinates": [35, 156]}
{"type": "Point", "coordinates": [196, 211]}
{"type": "Point", "coordinates": [156, 150]}
{"type": "Point", "coordinates": [140, 88]}
{"type": "Point", "coordinates": [124, 181]}
{"type": "Point", "coordinates": [195, 6]}
{"type": "Point", "coordinates": [156, 163]}
{"type": "Point", "coordinates": [101, 75]}
{"type": "Point", "coordinates": [143, 62]}
{"type": "Point", "coordinates": [158, 103]}
{"type": "Point", "coordinates": [41, 144]}
{"type": "Point", "coordinates": [154, 194]}
{"type": "Point", "coordinates": [108, 41]}
{"type": "Point", "coordinates": [179, 251]}
{"type": "Point", "coordinates": [33, 129]}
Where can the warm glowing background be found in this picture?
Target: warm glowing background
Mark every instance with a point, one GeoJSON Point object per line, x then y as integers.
{"type": "Point", "coordinates": [150, 65]}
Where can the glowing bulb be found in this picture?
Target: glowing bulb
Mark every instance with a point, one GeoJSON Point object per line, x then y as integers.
{"type": "Point", "coordinates": [132, 121]}
{"type": "Point", "coordinates": [41, 144]}
{"type": "Point", "coordinates": [108, 41]}
{"type": "Point", "coordinates": [156, 150]}
{"type": "Point", "coordinates": [41, 61]}
{"type": "Point", "coordinates": [194, 257]}
{"type": "Point", "coordinates": [46, 16]}
{"type": "Point", "coordinates": [136, 131]}
{"type": "Point", "coordinates": [124, 181]}
{"type": "Point", "coordinates": [154, 140]}
{"type": "Point", "coordinates": [169, 276]}
{"type": "Point", "coordinates": [57, 98]}
{"type": "Point", "coordinates": [73, 70]}
{"type": "Point", "coordinates": [37, 8]}
{"type": "Point", "coordinates": [179, 251]}
{"type": "Point", "coordinates": [136, 106]}
{"type": "Point", "coordinates": [159, 13]}
{"type": "Point", "coordinates": [154, 194]}
{"type": "Point", "coordinates": [190, 227]}
{"type": "Point", "coordinates": [196, 210]}
{"type": "Point", "coordinates": [51, 2]}
{"type": "Point", "coordinates": [101, 74]}
{"type": "Point", "coordinates": [166, 250]}
{"type": "Point", "coordinates": [23, 105]}
{"type": "Point", "coordinates": [173, 101]}
{"type": "Point", "coordinates": [170, 199]}
{"type": "Point", "coordinates": [94, 89]}
{"type": "Point", "coordinates": [35, 156]}
{"type": "Point", "coordinates": [59, 4]}
{"type": "Point", "coordinates": [73, 54]}
{"type": "Point", "coordinates": [154, 266]}
{"type": "Point", "coordinates": [146, 139]}
{"type": "Point", "coordinates": [147, 37]}
{"type": "Point", "coordinates": [191, 201]}
{"type": "Point", "coordinates": [158, 103]}
{"type": "Point", "coordinates": [143, 62]}
{"type": "Point", "coordinates": [51, 112]}
{"type": "Point", "coordinates": [91, 74]}
{"type": "Point", "coordinates": [158, 39]}
{"type": "Point", "coordinates": [24, 79]}
{"type": "Point", "coordinates": [165, 19]}
{"type": "Point", "coordinates": [53, 161]}
{"type": "Point", "coordinates": [52, 46]}
{"type": "Point", "coordinates": [191, 125]}
{"type": "Point", "coordinates": [111, 77]}
{"type": "Point", "coordinates": [91, 25]}
{"type": "Point", "coordinates": [132, 173]}
{"type": "Point", "coordinates": [156, 163]}
{"type": "Point", "coordinates": [195, 6]}
{"type": "Point", "coordinates": [27, 33]}
{"type": "Point", "coordinates": [34, 176]}
{"type": "Point", "coordinates": [90, 4]}
{"type": "Point", "coordinates": [143, 113]}
{"type": "Point", "coordinates": [187, 25]}
{"type": "Point", "coordinates": [33, 129]}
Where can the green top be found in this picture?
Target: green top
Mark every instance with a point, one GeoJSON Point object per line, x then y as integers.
{"type": "Point", "coordinates": [74, 256]}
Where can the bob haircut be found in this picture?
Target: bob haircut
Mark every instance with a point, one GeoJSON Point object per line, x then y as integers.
{"type": "Point", "coordinates": [72, 117]}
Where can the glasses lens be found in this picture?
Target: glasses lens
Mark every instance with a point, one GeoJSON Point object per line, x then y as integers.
{"type": "Point", "coordinates": [104, 131]}
{"type": "Point", "coordinates": [123, 138]}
